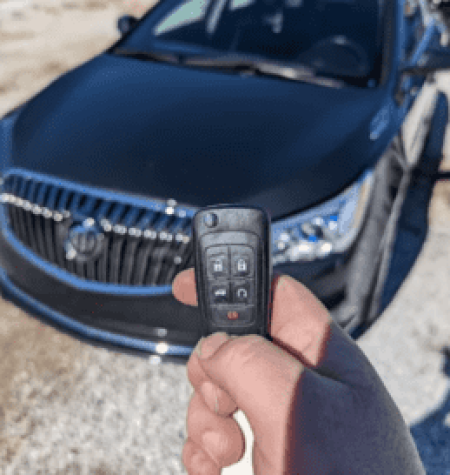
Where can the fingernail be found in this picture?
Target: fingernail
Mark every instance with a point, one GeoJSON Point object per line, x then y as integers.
{"type": "Point", "coordinates": [197, 348]}
{"type": "Point", "coordinates": [284, 279]}
{"type": "Point", "coordinates": [210, 345]}
{"type": "Point", "coordinates": [209, 393]}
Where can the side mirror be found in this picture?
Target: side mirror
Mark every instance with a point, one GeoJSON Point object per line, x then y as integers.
{"type": "Point", "coordinates": [125, 23]}
{"type": "Point", "coordinates": [435, 59]}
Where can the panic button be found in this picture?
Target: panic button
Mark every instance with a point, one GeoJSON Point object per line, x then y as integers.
{"type": "Point", "coordinates": [222, 315]}
{"type": "Point", "coordinates": [232, 315]}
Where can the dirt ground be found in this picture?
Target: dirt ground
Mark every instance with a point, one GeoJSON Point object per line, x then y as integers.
{"type": "Point", "coordinates": [43, 371]}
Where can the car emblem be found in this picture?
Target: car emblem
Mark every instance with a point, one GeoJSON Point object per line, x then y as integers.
{"type": "Point", "coordinates": [84, 241]}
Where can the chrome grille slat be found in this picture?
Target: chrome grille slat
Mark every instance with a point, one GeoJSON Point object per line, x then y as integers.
{"type": "Point", "coordinates": [88, 205]}
{"type": "Point", "coordinates": [128, 247]}
{"type": "Point", "coordinates": [95, 236]}
{"type": "Point", "coordinates": [49, 229]}
{"type": "Point", "coordinates": [72, 205]}
{"type": "Point", "coordinates": [185, 253]}
{"type": "Point", "coordinates": [154, 269]}
{"type": "Point", "coordinates": [173, 267]}
{"type": "Point", "coordinates": [142, 259]}
{"type": "Point", "coordinates": [39, 220]}
{"type": "Point", "coordinates": [102, 261]}
{"type": "Point", "coordinates": [74, 202]}
{"type": "Point", "coordinates": [77, 268]}
{"type": "Point", "coordinates": [145, 253]}
{"type": "Point", "coordinates": [120, 231]}
{"type": "Point", "coordinates": [144, 247]}
{"type": "Point", "coordinates": [80, 268]}
{"type": "Point", "coordinates": [169, 260]}
{"type": "Point", "coordinates": [157, 256]}
{"type": "Point", "coordinates": [166, 251]}
{"type": "Point", "coordinates": [14, 211]}
{"type": "Point", "coordinates": [116, 245]}
{"type": "Point", "coordinates": [183, 259]}
{"type": "Point", "coordinates": [64, 200]}
{"type": "Point", "coordinates": [30, 196]}
{"type": "Point", "coordinates": [9, 210]}
{"type": "Point", "coordinates": [22, 214]}
{"type": "Point", "coordinates": [129, 260]}
{"type": "Point", "coordinates": [87, 209]}
{"type": "Point", "coordinates": [61, 207]}
{"type": "Point", "coordinates": [186, 250]}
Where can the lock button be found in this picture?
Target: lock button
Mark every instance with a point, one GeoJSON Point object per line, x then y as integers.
{"type": "Point", "coordinates": [242, 261]}
{"type": "Point", "coordinates": [217, 262]}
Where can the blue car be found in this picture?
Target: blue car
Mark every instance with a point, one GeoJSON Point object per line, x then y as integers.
{"type": "Point", "coordinates": [326, 113]}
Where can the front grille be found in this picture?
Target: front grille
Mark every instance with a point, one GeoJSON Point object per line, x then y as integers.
{"type": "Point", "coordinates": [135, 244]}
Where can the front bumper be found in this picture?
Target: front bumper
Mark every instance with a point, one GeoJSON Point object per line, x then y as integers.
{"type": "Point", "coordinates": [155, 323]}
{"type": "Point", "coordinates": [146, 320]}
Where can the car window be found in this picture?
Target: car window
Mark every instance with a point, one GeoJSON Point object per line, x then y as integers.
{"type": "Point", "coordinates": [340, 38]}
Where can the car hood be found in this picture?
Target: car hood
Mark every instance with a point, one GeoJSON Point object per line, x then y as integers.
{"type": "Point", "coordinates": [198, 136]}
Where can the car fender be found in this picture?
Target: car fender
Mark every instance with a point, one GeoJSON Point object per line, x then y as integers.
{"type": "Point", "coordinates": [416, 126]}
{"type": "Point", "coordinates": [407, 227]}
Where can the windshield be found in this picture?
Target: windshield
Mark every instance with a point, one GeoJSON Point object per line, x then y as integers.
{"type": "Point", "coordinates": [336, 38]}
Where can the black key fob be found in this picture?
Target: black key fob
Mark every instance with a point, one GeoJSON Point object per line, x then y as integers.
{"type": "Point", "coordinates": [233, 269]}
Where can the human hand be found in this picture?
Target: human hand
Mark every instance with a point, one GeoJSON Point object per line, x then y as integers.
{"type": "Point", "coordinates": [314, 402]}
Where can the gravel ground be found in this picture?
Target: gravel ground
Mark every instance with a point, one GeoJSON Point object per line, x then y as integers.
{"type": "Point", "coordinates": [67, 407]}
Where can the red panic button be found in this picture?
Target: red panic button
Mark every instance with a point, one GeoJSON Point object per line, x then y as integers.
{"type": "Point", "coordinates": [232, 315]}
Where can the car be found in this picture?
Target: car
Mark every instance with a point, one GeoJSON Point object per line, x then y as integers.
{"type": "Point", "coordinates": [325, 113]}
{"type": "Point", "coordinates": [443, 8]}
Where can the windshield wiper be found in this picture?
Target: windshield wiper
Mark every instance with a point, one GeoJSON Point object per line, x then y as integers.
{"type": "Point", "coordinates": [160, 56]}
{"type": "Point", "coordinates": [236, 62]}
{"type": "Point", "coordinates": [256, 66]}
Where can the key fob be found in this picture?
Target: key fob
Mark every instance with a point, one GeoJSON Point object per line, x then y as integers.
{"type": "Point", "coordinates": [233, 269]}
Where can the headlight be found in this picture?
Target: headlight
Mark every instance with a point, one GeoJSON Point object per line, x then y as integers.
{"type": "Point", "coordinates": [330, 228]}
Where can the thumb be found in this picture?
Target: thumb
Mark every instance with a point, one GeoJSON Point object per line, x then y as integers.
{"type": "Point", "coordinates": [260, 378]}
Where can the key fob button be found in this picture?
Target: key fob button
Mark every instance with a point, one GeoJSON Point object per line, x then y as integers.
{"type": "Point", "coordinates": [242, 262]}
{"type": "Point", "coordinates": [223, 315]}
{"type": "Point", "coordinates": [217, 262]}
{"type": "Point", "coordinates": [210, 220]}
{"type": "Point", "coordinates": [220, 293]}
{"type": "Point", "coordinates": [242, 292]}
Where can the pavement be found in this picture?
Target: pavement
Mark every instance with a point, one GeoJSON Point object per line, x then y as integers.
{"type": "Point", "coordinates": [67, 407]}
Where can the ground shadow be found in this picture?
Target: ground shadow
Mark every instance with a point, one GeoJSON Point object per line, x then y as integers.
{"type": "Point", "coordinates": [432, 433]}
{"type": "Point", "coordinates": [412, 233]}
